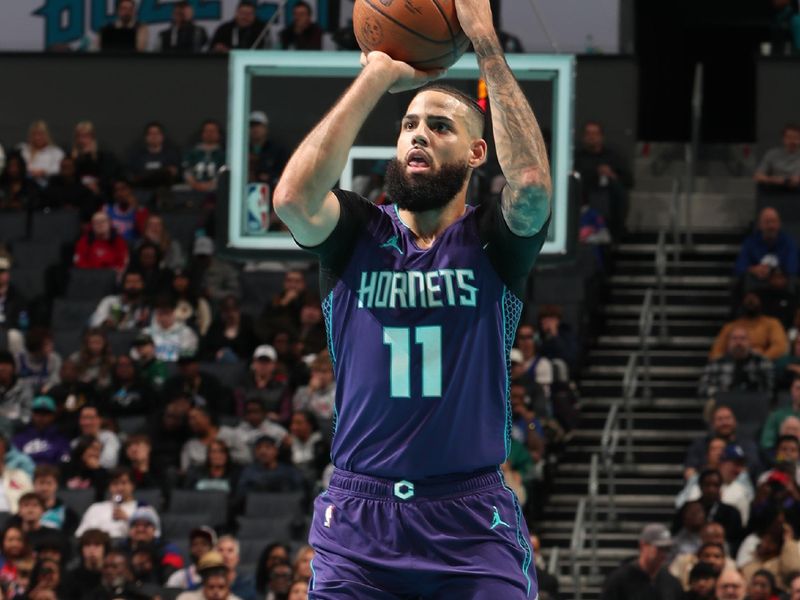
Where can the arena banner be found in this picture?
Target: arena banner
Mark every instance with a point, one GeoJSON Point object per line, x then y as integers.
{"type": "Point", "coordinates": [34, 25]}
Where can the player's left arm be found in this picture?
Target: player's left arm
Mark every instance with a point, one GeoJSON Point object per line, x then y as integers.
{"type": "Point", "coordinates": [520, 145]}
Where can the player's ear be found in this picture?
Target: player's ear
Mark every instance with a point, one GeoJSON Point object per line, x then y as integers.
{"type": "Point", "coordinates": [478, 151]}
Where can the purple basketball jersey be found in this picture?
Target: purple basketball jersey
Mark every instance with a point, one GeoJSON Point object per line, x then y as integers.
{"type": "Point", "coordinates": [420, 340]}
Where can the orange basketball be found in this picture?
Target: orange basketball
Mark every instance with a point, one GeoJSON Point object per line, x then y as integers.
{"type": "Point", "coordinates": [424, 33]}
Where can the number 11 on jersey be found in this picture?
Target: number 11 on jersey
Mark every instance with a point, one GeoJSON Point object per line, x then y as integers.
{"type": "Point", "coordinates": [399, 341]}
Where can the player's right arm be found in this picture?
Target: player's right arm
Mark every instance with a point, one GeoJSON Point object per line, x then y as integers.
{"type": "Point", "coordinates": [302, 198]}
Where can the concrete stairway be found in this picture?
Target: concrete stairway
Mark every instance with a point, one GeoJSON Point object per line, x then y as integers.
{"type": "Point", "coordinates": [697, 302]}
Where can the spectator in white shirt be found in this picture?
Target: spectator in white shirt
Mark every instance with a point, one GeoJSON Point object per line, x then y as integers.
{"type": "Point", "coordinates": [256, 423]}
{"type": "Point", "coordinates": [41, 155]}
{"type": "Point", "coordinates": [172, 338]}
{"type": "Point", "coordinates": [90, 424]}
{"type": "Point", "coordinates": [113, 515]}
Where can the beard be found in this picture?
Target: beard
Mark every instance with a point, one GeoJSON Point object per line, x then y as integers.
{"type": "Point", "coordinates": [422, 192]}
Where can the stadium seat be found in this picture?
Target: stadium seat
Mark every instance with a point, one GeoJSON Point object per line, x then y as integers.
{"type": "Point", "coordinates": [265, 528]}
{"type": "Point", "coordinates": [35, 255]}
{"type": "Point", "coordinates": [229, 374]}
{"type": "Point", "coordinates": [56, 226]}
{"type": "Point", "coordinates": [250, 550]}
{"type": "Point", "coordinates": [132, 424]}
{"type": "Point", "coordinates": [13, 226]}
{"type": "Point", "coordinates": [71, 314]}
{"type": "Point", "coordinates": [178, 527]}
{"type": "Point", "coordinates": [29, 281]}
{"type": "Point", "coordinates": [750, 410]}
{"type": "Point", "coordinates": [67, 341]}
{"type": "Point", "coordinates": [77, 500]}
{"type": "Point", "coordinates": [5, 517]}
{"type": "Point", "coordinates": [258, 287]}
{"type": "Point", "coordinates": [273, 504]}
{"type": "Point", "coordinates": [151, 496]}
{"type": "Point", "coordinates": [91, 284]}
{"type": "Point", "coordinates": [211, 502]}
{"type": "Point", "coordinates": [182, 227]}
{"type": "Point", "coordinates": [120, 341]}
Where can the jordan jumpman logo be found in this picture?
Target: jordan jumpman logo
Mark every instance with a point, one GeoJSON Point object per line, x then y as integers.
{"type": "Point", "coordinates": [496, 520]}
{"type": "Point", "coordinates": [393, 243]}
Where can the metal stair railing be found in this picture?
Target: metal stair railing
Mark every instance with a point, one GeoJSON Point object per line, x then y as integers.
{"type": "Point", "coordinates": [577, 544]}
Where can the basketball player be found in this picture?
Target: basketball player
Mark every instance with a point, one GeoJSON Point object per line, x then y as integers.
{"type": "Point", "coordinates": [421, 301]}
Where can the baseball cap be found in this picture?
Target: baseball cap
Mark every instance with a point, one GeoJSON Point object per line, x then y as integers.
{"type": "Point", "coordinates": [206, 532]}
{"type": "Point", "coordinates": [259, 116]}
{"type": "Point", "coordinates": [265, 351]}
{"type": "Point", "coordinates": [733, 452]}
{"type": "Point", "coordinates": [203, 245]}
{"type": "Point", "coordinates": [656, 535]}
{"type": "Point", "coordinates": [44, 403]}
{"type": "Point", "coordinates": [147, 514]}
{"type": "Point", "coordinates": [210, 560]}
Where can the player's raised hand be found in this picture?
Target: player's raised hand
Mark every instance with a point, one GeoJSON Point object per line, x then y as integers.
{"type": "Point", "coordinates": [405, 76]}
{"type": "Point", "coordinates": [475, 17]}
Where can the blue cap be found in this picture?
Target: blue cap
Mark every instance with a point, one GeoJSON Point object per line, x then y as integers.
{"type": "Point", "coordinates": [44, 403]}
{"type": "Point", "coordinates": [733, 452]}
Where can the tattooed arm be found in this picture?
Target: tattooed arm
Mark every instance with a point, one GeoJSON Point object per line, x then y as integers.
{"type": "Point", "coordinates": [520, 146]}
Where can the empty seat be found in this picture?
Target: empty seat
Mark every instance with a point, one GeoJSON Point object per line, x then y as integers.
{"type": "Point", "coordinates": [182, 227]}
{"type": "Point", "coordinates": [91, 284]}
{"type": "Point", "coordinates": [56, 226]}
{"type": "Point", "coordinates": [263, 528]}
{"type": "Point", "coordinates": [67, 341]}
{"type": "Point", "coordinates": [13, 226]}
{"type": "Point", "coordinates": [175, 527]}
{"type": "Point", "coordinates": [228, 374]}
{"type": "Point", "coordinates": [132, 424]}
{"type": "Point", "coordinates": [120, 341]}
{"type": "Point", "coordinates": [36, 255]}
{"type": "Point", "coordinates": [28, 281]}
{"type": "Point", "coordinates": [151, 496]}
{"type": "Point", "coordinates": [71, 314]}
{"type": "Point", "coordinates": [273, 504]}
{"type": "Point", "coordinates": [258, 287]}
{"type": "Point", "coordinates": [250, 551]}
{"type": "Point", "coordinates": [77, 500]}
{"type": "Point", "coordinates": [211, 502]}
{"type": "Point", "coordinates": [749, 408]}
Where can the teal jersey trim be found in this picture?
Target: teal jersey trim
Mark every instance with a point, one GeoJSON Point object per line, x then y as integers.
{"type": "Point", "coordinates": [524, 544]}
{"type": "Point", "coordinates": [327, 314]}
{"type": "Point", "coordinates": [313, 575]}
{"type": "Point", "coordinates": [512, 312]}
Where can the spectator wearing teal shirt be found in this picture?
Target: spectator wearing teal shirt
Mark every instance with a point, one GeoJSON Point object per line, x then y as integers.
{"type": "Point", "coordinates": [770, 432]}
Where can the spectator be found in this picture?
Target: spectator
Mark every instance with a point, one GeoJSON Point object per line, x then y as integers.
{"type": "Point", "coordinates": [256, 423]}
{"type": "Point", "coordinates": [215, 278]}
{"type": "Point", "coordinates": [101, 247]}
{"type": "Point", "coordinates": [203, 389]}
{"type": "Point", "coordinates": [15, 394]}
{"type": "Point", "coordinates": [57, 515]}
{"type": "Point", "coordinates": [84, 470]}
{"type": "Point", "coordinates": [285, 308]}
{"type": "Point", "coordinates": [169, 249]}
{"type": "Point", "coordinates": [191, 308]}
{"type": "Point", "coordinates": [762, 586]}
{"type": "Point", "coordinates": [71, 394]}
{"type": "Point", "coordinates": [14, 549]}
{"type": "Point", "coordinates": [266, 474]}
{"type": "Point", "coordinates": [125, 311]}
{"type": "Point", "coordinates": [202, 540]}
{"type": "Point", "coordinates": [29, 517]}
{"type": "Point", "coordinates": [66, 190]}
{"type": "Point", "coordinates": [14, 482]}
{"type": "Point", "coordinates": [710, 482]}
{"type": "Point", "coordinates": [183, 36]}
{"type": "Point", "coordinates": [137, 455]}
{"type": "Point", "coordinates": [152, 370]}
{"type": "Point", "coordinates": [94, 360]}
{"type": "Point", "coordinates": [273, 553]}
{"type": "Point", "coordinates": [787, 367]}
{"type": "Point", "coordinates": [538, 369]}
{"type": "Point", "coordinates": [125, 34]}
{"type": "Point", "coordinates": [38, 364]}
{"type": "Point", "coordinates": [769, 433]}
{"type": "Point", "coordinates": [85, 577]}
{"type": "Point", "coordinates": [145, 529]}
{"type": "Point", "coordinates": [42, 157]}
{"type": "Point", "coordinates": [267, 158]}
{"type": "Point", "coordinates": [129, 394]}
{"type": "Point", "coordinates": [268, 385]}
{"type": "Point", "coordinates": [17, 190]}
{"type": "Point", "coordinates": [46, 580]}
{"type": "Point", "coordinates": [205, 430]}
{"type": "Point", "coordinates": [787, 455]}
{"type": "Point", "coordinates": [155, 162]}
{"type": "Point", "coordinates": [319, 396]}
{"type": "Point", "coordinates": [302, 33]}
{"type": "Point", "coordinates": [778, 555]}
{"type": "Point", "coordinates": [645, 577]}
{"type": "Point", "coordinates": [310, 451]}
{"type": "Point", "coordinates": [737, 490]}
{"type": "Point", "coordinates": [766, 334]}
{"type": "Point", "coordinates": [215, 582]}
{"type": "Point", "coordinates": [711, 551]}
{"type": "Point", "coordinates": [147, 260]}
{"type": "Point", "coordinates": [280, 581]}
{"type": "Point", "coordinates": [242, 585]}
{"type": "Point", "coordinates": [116, 580]}
{"type": "Point", "coordinates": [12, 303]}
{"type": "Point", "coordinates": [218, 473]}
{"type": "Point", "coordinates": [739, 369]}
{"type": "Point", "coordinates": [780, 167]}
{"type": "Point", "coordinates": [91, 425]}
{"type": "Point", "coordinates": [170, 433]}
{"type": "Point", "coordinates": [527, 428]}
{"type": "Point", "coordinates": [95, 167]}
{"type": "Point", "coordinates": [723, 425]}
{"type": "Point", "coordinates": [127, 217]}
{"type": "Point", "coordinates": [231, 337]}
{"type": "Point", "coordinates": [604, 173]}
{"type": "Point", "coordinates": [691, 517]}
{"type": "Point", "coordinates": [171, 338]}
{"type": "Point", "coordinates": [113, 515]}
{"type": "Point", "coordinates": [202, 163]}
{"type": "Point", "coordinates": [243, 32]}
{"type": "Point", "coordinates": [794, 588]}
{"type": "Point", "coordinates": [302, 563]}
{"type": "Point", "coordinates": [41, 440]}
{"type": "Point", "coordinates": [312, 334]}
{"type": "Point", "coordinates": [144, 568]}
{"type": "Point", "coordinates": [557, 340]}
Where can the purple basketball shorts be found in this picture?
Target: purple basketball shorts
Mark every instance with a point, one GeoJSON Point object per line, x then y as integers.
{"type": "Point", "coordinates": [453, 538]}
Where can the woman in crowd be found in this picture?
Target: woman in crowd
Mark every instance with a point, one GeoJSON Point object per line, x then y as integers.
{"type": "Point", "coordinates": [101, 247]}
{"type": "Point", "coordinates": [302, 563]}
{"type": "Point", "coordinates": [218, 472]}
{"type": "Point", "coordinates": [136, 454]}
{"type": "Point", "coordinates": [230, 337]}
{"type": "Point", "coordinates": [147, 260]}
{"type": "Point", "coordinates": [45, 583]}
{"type": "Point", "coordinates": [273, 554]}
{"type": "Point", "coordinates": [762, 586]}
{"type": "Point", "coordinates": [95, 167]}
{"type": "Point", "coordinates": [190, 308]}
{"type": "Point", "coordinates": [13, 550]}
{"type": "Point", "coordinates": [94, 360]}
{"type": "Point", "coordinates": [42, 156]}
{"type": "Point", "coordinates": [17, 191]}
{"type": "Point", "coordinates": [83, 470]}
{"type": "Point", "coordinates": [171, 252]}
{"type": "Point", "coordinates": [206, 430]}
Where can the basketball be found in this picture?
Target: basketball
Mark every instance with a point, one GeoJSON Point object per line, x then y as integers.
{"type": "Point", "coordinates": [423, 33]}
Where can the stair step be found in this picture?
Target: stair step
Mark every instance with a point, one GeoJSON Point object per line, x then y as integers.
{"type": "Point", "coordinates": [698, 311]}
{"type": "Point", "coordinates": [654, 469]}
{"type": "Point", "coordinates": [702, 281]}
{"type": "Point", "coordinates": [627, 326]}
{"type": "Point", "coordinates": [700, 249]}
{"type": "Point", "coordinates": [680, 341]}
{"type": "Point", "coordinates": [686, 372]}
{"type": "Point", "coordinates": [676, 404]}
{"type": "Point", "coordinates": [632, 500]}
{"type": "Point", "coordinates": [639, 434]}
